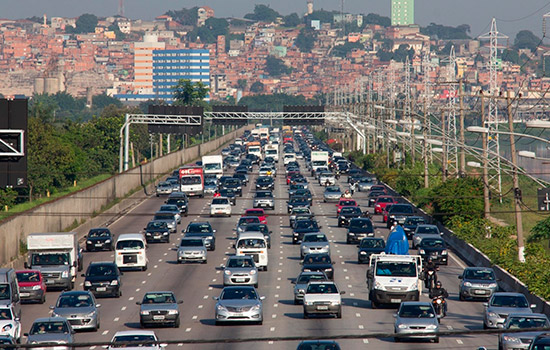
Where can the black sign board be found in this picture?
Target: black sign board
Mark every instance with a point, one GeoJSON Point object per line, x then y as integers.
{"type": "Point", "coordinates": [13, 116]}
{"type": "Point", "coordinates": [175, 129]}
{"type": "Point", "coordinates": [543, 196]}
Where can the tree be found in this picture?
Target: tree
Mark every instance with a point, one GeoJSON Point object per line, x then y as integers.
{"type": "Point", "coordinates": [322, 16]}
{"type": "Point", "coordinates": [263, 13]}
{"type": "Point", "coordinates": [373, 18]}
{"type": "Point", "coordinates": [86, 23]}
{"type": "Point", "coordinates": [292, 20]}
{"type": "Point", "coordinates": [187, 17]}
{"type": "Point", "coordinates": [275, 66]}
{"type": "Point", "coordinates": [540, 231]}
{"type": "Point", "coordinates": [257, 86]}
{"type": "Point", "coordinates": [525, 39]}
{"type": "Point", "coordinates": [209, 32]}
{"type": "Point", "coordinates": [102, 101]}
{"type": "Point", "coordinates": [187, 93]}
{"type": "Point", "coordinates": [241, 84]}
{"type": "Point", "coordinates": [462, 196]}
{"type": "Point", "coordinates": [510, 56]}
{"type": "Point", "coordinates": [442, 32]}
{"type": "Point", "coordinates": [343, 50]}
{"type": "Point", "coordinates": [305, 41]}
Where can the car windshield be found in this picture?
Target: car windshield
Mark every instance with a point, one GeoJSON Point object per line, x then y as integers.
{"type": "Point", "coordinates": [395, 269]}
{"type": "Point", "coordinates": [199, 228]}
{"type": "Point", "coordinates": [227, 192]}
{"type": "Point", "coordinates": [296, 187]}
{"type": "Point", "coordinates": [484, 275]}
{"type": "Point", "coordinates": [81, 300]}
{"type": "Point", "coordinates": [322, 288]}
{"type": "Point", "coordinates": [416, 311]}
{"type": "Point", "coordinates": [372, 243]}
{"type": "Point", "coordinates": [432, 243]}
{"type": "Point", "coordinates": [333, 189]}
{"type": "Point", "coordinates": [298, 200]}
{"type": "Point", "coordinates": [304, 279]}
{"type": "Point", "coordinates": [31, 276]}
{"type": "Point", "coordinates": [361, 224]}
{"type": "Point", "coordinates": [49, 327]}
{"type": "Point", "coordinates": [347, 203]}
{"type": "Point", "coordinates": [130, 244]}
{"type": "Point", "coordinates": [240, 262]}
{"type": "Point", "coordinates": [101, 270]}
{"type": "Point", "coordinates": [168, 208]}
{"type": "Point", "coordinates": [300, 210]}
{"type": "Point", "coordinates": [350, 210]}
{"type": "Point", "coordinates": [249, 220]}
{"type": "Point", "coordinates": [527, 322]}
{"type": "Point", "coordinates": [398, 208]}
{"type": "Point", "coordinates": [191, 180]}
{"type": "Point", "coordinates": [238, 293]}
{"type": "Point", "coordinates": [231, 181]}
{"type": "Point", "coordinates": [121, 340]}
{"type": "Point", "coordinates": [317, 259]}
{"type": "Point", "coordinates": [264, 195]}
{"type": "Point", "coordinates": [165, 184]}
{"type": "Point", "coordinates": [158, 298]}
{"type": "Point", "coordinates": [212, 166]}
{"type": "Point", "coordinates": [99, 233]}
{"type": "Point", "coordinates": [164, 216]}
{"type": "Point", "coordinates": [414, 221]}
{"type": "Point", "coordinates": [306, 224]}
{"type": "Point", "coordinates": [254, 212]}
{"type": "Point", "coordinates": [256, 228]}
{"type": "Point", "coordinates": [50, 259]}
{"type": "Point", "coordinates": [384, 200]}
{"type": "Point", "coordinates": [156, 224]}
{"type": "Point", "coordinates": [5, 314]}
{"type": "Point", "coordinates": [427, 229]}
{"type": "Point", "coordinates": [509, 301]}
{"type": "Point", "coordinates": [315, 238]}
{"type": "Point", "coordinates": [220, 201]}
{"type": "Point", "coordinates": [191, 243]}
{"type": "Point", "coordinates": [251, 243]}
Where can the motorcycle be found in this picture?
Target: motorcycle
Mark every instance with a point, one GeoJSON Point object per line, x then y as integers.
{"type": "Point", "coordinates": [337, 176]}
{"type": "Point", "coordinates": [430, 279]}
{"type": "Point", "coordinates": [439, 306]}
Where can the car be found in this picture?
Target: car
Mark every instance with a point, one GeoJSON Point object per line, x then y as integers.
{"type": "Point", "coordinates": [416, 317]}
{"type": "Point", "coordinates": [382, 202]}
{"type": "Point", "coordinates": [159, 308]}
{"type": "Point", "coordinates": [263, 199]}
{"type": "Point", "coordinates": [342, 166]}
{"type": "Point", "coordinates": [411, 223]}
{"type": "Point", "coordinates": [322, 297]}
{"type": "Point", "coordinates": [239, 304]}
{"type": "Point", "coordinates": [122, 338]}
{"type": "Point", "coordinates": [292, 175]}
{"type": "Point", "coordinates": [103, 279]}
{"type": "Point", "coordinates": [373, 196]}
{"type": "Point", "coordinates": [318, 345]}
{"type": "Point", "coordinates": [300, 283]}
{"type": "Point", "coordinates": [169, 217]}
{"type": "Point", "coordinates": [10, 323]}
{"type": "Point", "coordinates": [225, 151]}
{"type": "Point", "coordinates": [358, 229]}
{"type": "Point", "coordinates": [369, 246]}
{"type": "Point", "coordinates": [319, 262]}
{"type": "Point", "coordinates": [301, 227]}
{"type": "Point", "coordinates": [477, 283]}
{"type": "Point", "coordinates": [343, 202]}
{"type": "Point", "coordinates": [246, 220]}
{"type": "Point", "coordinates": [314, 243]}
{"type": "Point", "coordinates": [398, 213]}
{"type": "Point", "coordinates": [210, 186]}
{"type": "Point", "coordinates": [79, 308]}
{"type": "Point", "coordinates": [32, 287]}
{"type": "Point", "coordinates": [240, 270]}
{"type": "Point", "coordinates": [50, 330]}
{"type": "Point", "coordinates": [265, 183]}
{"type": "Point", "coordinates": [380, 188]}
{"type": "Point", "coordinates": [8, 340]}
{"type": "Point", "coordinates": [203, 230]}
{"type": "Point", "coordinates": [326, 178]}
{"type": "Point", "coordinates": [364, 184]}
{"type": "Point", "coordinates": [192, 249]}
{"type": "Point", "coordinates": [229, 194]}
{"type": "Point", "coordinates": [299, 211]}
{"type": "Point", "coordinates": [163, 188]}
{"type": "Point", "coordinates": [296, 201]}
{"type": "Point", "coordinates": [234, 184]}
{"type": "Point", "coordinates": [385, 212]}
{"type": "Point", "coordinates": [332, 194]}
{"type": "Point", "coordinates": [100, 238]}
{"type": "Point", "coordinates": [181, 200]}
{"type": "Point", "coordinates": [422, 231]}
{"type": "Point", "coordinates": [434, 248]}
{"type": "Point", "coordinates": [266, 171]}
{"type": "Point", "coordinates": [348, 213]}
{"type": "Point", "coordinates": [304, 193]}
{"type": "Point", "coordinates": [172, 208]}
{"type": "Point", "coordinates": [258, 213]}
{"type": "Point", "coordinates": [300, 181]}
{"type": "Point", "coordinates": [293, 188]}
{"type": "Point", "coordinates": [500, 305]}
{"type": "Point", "coordinates": [263, 229]}
{"type": "Point", "coordinates": [174, 182]}
{"type": "Point", "coordinates": [157, 231]}
{"type": "Point", "coordinates": [220, 206]}
{"type": "Point", "coordinates": [241, 176]}
{"type": "Point", "coordinates": [513, 341]}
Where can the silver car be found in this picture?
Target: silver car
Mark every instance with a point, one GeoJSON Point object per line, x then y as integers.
{"type": "Point", "coordinates": [164, 188]}
{"type": "Point", "coordinates": [418, 237]}
{"type": "Point", "coordinates": [327, 178]}
{"type": "Point", "coordinates": [416, 317]}
{"type": "Point", "coordinates": [159, 308]}
{"type": "Point", "coordinates": [314, 243]}
{"type": "Point", "coordinates": [513, 341]}
{"type": "Point", "coordinates": [298, 211]}
{"type": "Point", "coordinates": [365, 184]}
{"type": "Point", "coordinates": [135, 337]}
{"type": "Point", "coordinates": [300, 283]}
{"type": "Point", "coordinates": [501, 305]}
{"type": "Point", "coordinates": [237, 304]}
{"type": "Point", "coordinates": [79, 308]}
{"type": "Point", "coordinates": [322, 297]}
{"type": "Point", "coordinates": [332, 194]}
{"type": "Point", "coordinates": [51, 330]}
{"type": "Point", "coordinates": [10, 323]}
{"type": "Point", "coordinates": [192, 249]}
{"type": "Point", "coordinates": [172, 208]}
{"type": "Point", "coordinates": [240, 270]}
{"type": "Point", "coordinates": [167, 217]}
{"type": "Point", "coordinates": [477, 283]}
{"type": "Point", "coordinates": [264, 199]}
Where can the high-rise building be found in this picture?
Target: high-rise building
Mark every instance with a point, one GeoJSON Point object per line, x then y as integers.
{"type": "Point", "coordinates": [143, 63]}
{"type": "Point", "coordinates": [402, 12]}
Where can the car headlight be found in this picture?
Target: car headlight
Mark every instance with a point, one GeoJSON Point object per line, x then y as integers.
{"type": "Point", "coordinates": [443, 252]}
{"type": "Point", "coordinates": [493, 314]}
{"type": "Point", "coordinates": [431, 326]}
{"type": "Point", "coordinates": [65, 274]}
{"type": "Point", "coordinates": [329, 269]}
{"type": "Point", "coordinates": [147, 233]}
{"type": "Point", "coordinates": [363, 253]}
{"type": "Point", "coordinates": [301, 291]}
{"type": "Point", "coordinates": [173, 312]}
{"type": "Point", "coordinates": [165, 233]}
{"type": "Point", "coordinates": [7, 327]}
{"type": "Point", "coordinates": [511, 339]}
{"type": "Point", "coordinates": [326, 247]}
{"type": "Point", "coordinates": [334, 303]}
{"type": "Point", "coordinates": [87, 284]}
{"type": "Point", "coordinates": [306, 270]}
{"type": "Point", "coordinates": [255, 307]}
{"type": "Point", "coordinates": [107, 241]}
{"type": "Point", "coordinates": [402, 326]}
{"type": "Point", "coordinates": [252, 272]}
{"type": "Point", "coordinates": [37, 287]}
{"type": "Point", "coordinates": [467, 284]}
{"type": "Point", "coordinates": [144, 312]}
{"type": "Point", "coordinates": [220, 308]}
{"type": "Point", "coordinates": [421, 251]}
{"type": "Point", "coordinates": [227, 272]}
{"type": "Point", "coordinates": [379, 286]}
{"type": "Point", "coordinates": [493, 285]}
{"type": "Point", "coordinates": [89, 242]}
{"type": "Point", "coordinates": [412, 287]}
{"type": "Point", "coordinates": [114, 283]}
{"type": "Point", "coordinates": [351, 233]}
{"type": "Point", "coordinates": [308, 303]}
{"type": "Point", "coordinates": [91, 314]}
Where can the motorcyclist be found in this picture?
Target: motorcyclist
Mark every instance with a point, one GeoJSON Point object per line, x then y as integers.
{"type": "Point", "coordinates": [337, 176]}
{"type": "Point", "coordinates": [346, 194]}
{"type": "Point", "coordinates": [430, 266]}
{"type": "Point", "coordinates": [352, 187]}
{"type": "Point", "coordinates": [439, 291]}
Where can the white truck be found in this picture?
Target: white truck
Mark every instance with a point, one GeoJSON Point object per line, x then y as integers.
{"type": "Point", "coordinates": [264, 133]}
{"type": "Point", "coordinates": [273, 152]}
{"type": "Point", "coordinates": [213, 165]}
{"type": "Point", "coordinates": [392, 279]}
{"type": "Point", "coordinates": [58, 257]}
{"type": "Point", "coordinates": [319, 159]}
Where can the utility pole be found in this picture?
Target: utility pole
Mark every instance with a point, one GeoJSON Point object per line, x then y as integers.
{"type": "Point", "coordinates": [452, 155]}
{"type": "Point", "coordinates": [444, 147]}
{"type": "Point", "coordinates": [486, 200]}
{"type": "Point", "coordinates": [408, 117]}
{"type": "Point", "coordinates": [462, 139]}
{"type": "Point", "coordinates": [425, 147]}
{"type": "Point", "coordinates": [517, 191]}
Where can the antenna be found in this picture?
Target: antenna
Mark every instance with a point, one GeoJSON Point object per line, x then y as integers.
{"type": "Point", "coordinates": [343, 21]}
{"type": "Point", "coordinates": [121, 8]}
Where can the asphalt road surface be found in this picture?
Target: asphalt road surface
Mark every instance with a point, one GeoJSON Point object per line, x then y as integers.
{"type": "Point", "coordinates": [196, 284]}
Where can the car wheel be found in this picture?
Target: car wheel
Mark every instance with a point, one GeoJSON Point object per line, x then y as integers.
{"type": "Point", "coordinates": [177, 323]}
{"type": "Point", "coordinates": [374, 304]}
{"type": "Point", "coordinates": [204, 261]}
{"type": "Point", "coordinates": [461, 297]}
{"type": "Point", "coordinates": [256, 285]}
{"type": "Point", "coordinates": [348, 241]}
{"type": "Point", "coordinates": [296, 302]}
{"type": "Point", "coordinates": [43, 299]}
{"type": "Point", "coordinates": [142, 325]}
{"type": "Point", "coordinates": [484, 325]}
{"type": "Point", "coordinates": [306, 315]}
{"type": "Point", "coordinates": [436, 340]}
{"type": "Point", "coordinates": [396, 339]}
{"type": "Point", "coordinates": [339, 314]}
{"type": "Point", "coordinates": [213, 248]}
{"type": "Point", "coordinates": [144, 268]}
{"type": "Point", "coordinates": [339, 225]}
{"type": "Point", "coordinates": [118, 294]}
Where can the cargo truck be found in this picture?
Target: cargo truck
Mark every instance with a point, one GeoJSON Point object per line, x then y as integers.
{"type": "Point", "coordinates": [213, 165]}
{"type": "Point", "coordinates": [192, 180]}
{"type": "Point", "coordinates": [319, 159]}
{"type": "Point", "coordinates": [273, 152]}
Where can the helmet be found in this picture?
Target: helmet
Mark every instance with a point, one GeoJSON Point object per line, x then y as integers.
{"type": "Point", "coordinates": [430, 259]}
{"type": "Point", "coordinates": [438, 284]}
{"type": "Point", "coordinates": [347, 191]}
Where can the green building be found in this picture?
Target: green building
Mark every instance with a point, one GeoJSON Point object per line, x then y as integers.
{"type": "Point", "coordinates": [402, 12]}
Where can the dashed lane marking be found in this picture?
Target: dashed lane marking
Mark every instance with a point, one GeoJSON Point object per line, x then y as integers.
{"type": "Point", "coordinates": [194, 317]}
{"type": "Point", "coordinates": [116, 319]}
{"type": "Point", "coordinates": [187, 330]}
{"type": "Point", "coordinates": [123, 308]}
{"type": "Point", "coordinates": [155, 267]}
{"type": "Point", "coordinates": [274, 316]}
{"type": "Point", "coordinates": [459, 341]}
{"type": "Point", "coordinates": [205, 297]}
{"type": "Point", "coordinates": [361, 326]}
{"type": "Point", "coordinates": [131, 298]}
{"type": "Point", "coordinates": [365, 341]}
{"type": "Point", "coordinates": [272, 329]}
{"type": "Point", "coordinates": [200, 306]}
{"type": "Point", "coordinates": [357, 314]}
{"type": "Point", "coordinates": [105, 332]}
{"type": "Point", "coordinates": [138, 289]}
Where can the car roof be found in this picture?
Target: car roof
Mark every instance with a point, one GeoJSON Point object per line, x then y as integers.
{"type": "Point", "coordinates": [322, 282]}
{"type": "Point", "coordinates": [50, 319]}
{"type": "Point", "coordinates": [476, 268]}
{"type": "Point", "coordinates": [424, 303]}
{"type": "Point", "coordinates": [525, 314]}
{"type": "Point", "coordinates": [247, 235]}
{"type": "Point", "coordinates": [129, 236]}
{"type": "Point", "coordinates": [320, 273]}
{"type": "Point", "coordinates": [75, 292]}
{"type": "Point", "coordinates": [102, 263]}
{"type": "Point", "coordinates": [159, 292]}
{"type": "Point", "coordinates": [140, 332]}
{"type": "Point", "coordinates": [510, 294]}
{"type": "Point", "coordinates": [425, 225]}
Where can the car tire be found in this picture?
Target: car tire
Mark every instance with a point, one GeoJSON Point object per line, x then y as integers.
{"type": "Point", "coordinates": [177, 323]}
{"type": "Point", "coordinates": [484, 325]}
{"type": "Point", "coordinates": [212, 248]}
{"type": "Point", "coordinates": [256, 285]}
{"type": "Point", "coordinates": [374, 305]}
{"type": "Point", "coordinates": [348, 241]}
{"type": "Point", "coordinates": [205, 261]}
{"type": "Point", "coordinates": [144, 268]}
{"type": "Point", "coordinates": [265, 268]}
{"type": "Point", "coordinates": [296, 302]}
{"type": "Point", "coordinates": [339, 314]}
{"type": "Point", "coordinates": [436, 340]}
{"type": "Point", "coordinates": [306, 315]}
{"type": "Point", "coordinates": [461, 297]}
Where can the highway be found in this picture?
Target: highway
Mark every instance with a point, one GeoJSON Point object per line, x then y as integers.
{"type": "Point", "coordinates": [196, 284]}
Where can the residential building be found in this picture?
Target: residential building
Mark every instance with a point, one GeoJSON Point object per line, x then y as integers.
{"type": "Point", "coordinates": [402, 12]}
{"type": "Point", "coordinates": [143, 63]}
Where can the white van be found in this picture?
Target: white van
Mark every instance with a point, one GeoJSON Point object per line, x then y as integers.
{"type": "Point", "coordinates": [289, 157]}
{"type": "Point", "coordinates": [130, 251]}
{"type": "Point", "coordinates": [255, 245]}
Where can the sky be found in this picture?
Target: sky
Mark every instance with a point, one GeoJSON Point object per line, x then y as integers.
{"type": "Point", "coordinates": [512, 15]}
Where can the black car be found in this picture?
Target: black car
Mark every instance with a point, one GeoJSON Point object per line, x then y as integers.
{"type": "Point", "coordinates": [301, 227]}
{"type": "Point", "coordinates": [373, 195]}
{"type": "Point", "coordinates": [265, 183]}
{"type": "Point", "coordinates": [242, 169]}
{"type": "Point", "coordinates": [304, 193]}
{"type": "Point", "coordinates": [242, 177]}
{"type": "Point", "coordinates": [358, 229]}
{"type": "Point", "coordinates": [434, 248]}
{"type": "Point", "coordinates": [103, 279]}
{"type": "Point", "coordinates": [203, 230]}
{"type": "Point", "coordinates": [157, 231]}
{"type": "Point", "coordinates": [319, 262]}
{"type": "Point", "coordinates": [230, 194]}
{"type": "Point", "coordinates": [8, 340]}
{"type": "Point", "coordinates": [233, 184]}
{"type": "Point", "coordinates": [398, 213]}
{"type": "Point", "coordinates": [411, 223]}
{"type": "Point", "coordinates": [180, 199]}
{"type": "Point", "coordinates": [367, 247]}
{"type": "Point", "coordinates": [348, 213]}
{"type": "Point", "coordinates": [343, 166]}
{"type": "Point", "coordinates": [253, 158]}
{"type": "Point", "coordinates": [295, 187]}
{"type": "Point", "coordinates": [318, 345]}
{"type": "Point", "coordinates": [296, 201]}
{"type": "Point", "coordinates": [99, 239]}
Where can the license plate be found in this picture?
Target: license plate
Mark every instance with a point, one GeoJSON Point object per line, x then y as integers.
{"type": "Point", "coordinates": [50, 281]}
{"type": "Point", "coordinates": [322, 307]}
{"type": "Point", "coordinates": [240, 279]}
{"type": "Point", "coordinates": [237, 315]}
{"type": "Point", "coordinates": [25, 294]}
{"type": "Point", "coordinates": [101, 289]}
{"type": "Point", "coordinates": [98, 244]}
{"type": "Point", "coordinates": [395, 300]}
{"type": "Point", "coordinates": [479, 292]}
{"type": "Point", "coordinates": [157, 237]}
{"type": "Point", "coordinates": [158, 317]}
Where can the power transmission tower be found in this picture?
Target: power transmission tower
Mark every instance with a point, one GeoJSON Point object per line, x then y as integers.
{"type": "Point", "coordinates": [452, 149]}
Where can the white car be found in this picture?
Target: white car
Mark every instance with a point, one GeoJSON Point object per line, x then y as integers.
{"type": "Point", "coordinates": [135, 336]}
{"type": "Point", "coordinates": [9, 322]}
{"type": "Point", "coordinates": [220, 206]}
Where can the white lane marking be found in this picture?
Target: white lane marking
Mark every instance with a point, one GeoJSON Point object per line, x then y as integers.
{"type": "Point", "coordinates": [138, 289]}
{"type": "Point", "coordinates": [81, 284]}
{"type": "Point", "coordinates": [449, 327]}
{"type": "Point", "coordinates": [123, 308]}
{"type": "Point", "coordinates": [116, 319]}
{"type": "Point", "coordinates": [278, 287]}
{"type": "Point", "coordinates": [105, 332]}
{"type": "Point", "coordinates": [345, 270]}
{"type": "Point", "coordinates": [205, 297]}
{"type": "Point", "coordinates": [92, 347]}
{"type": "Point", "coordinates": [270, 342]}
{"type": "Point", "coordinates": [194, 317]}
{"type": "Point", "coordinates": [210, 288]}
{"type": "Point", "coordinates": [143, 282]}
{"type": "Point", "coordinates": [160, 260]}
{"type": "Point", "coordinates": [218, 272]}
{"type": "Point", "coordinates": [149, 274]}
{"type": "Point", "coordinates": [274, 316]}
{"type": "Point", "coordinates": [337, 251]}
{"type": "Point", "coordinates": [357, 314]}
{"type": "Point", "coordinates": [276, 295]}
{"type": "Point", "coordinates": [278, 278]}
{"type": "Point", "coordinates": [351, 294]}
{"type": "Point", "coordinates": [459, 341]}
{"type": "Point", "coordinates": [275, 305]}
{"type": "Point", "coordinates": [214, 280]}
{"type": "Point", "coordinates": [155, 267]}
{"type": "Point", "coordinates": [165, 254]}
{"type": "Point", "coordinates": [272, 329]}
{"type": "Point", "coordinates": [280, 264]}
{"type": "Point", "coordinates": [180, 344]}
{"type": "Point", "coordinates": [279, 271]}
{"type": "Point", "coordinates": [131, 298]}
{"type": "Point", "coordinates": [361, 326]}
{"type": "Point", "coordinates": [200, 306]}
{"type": "Point", "coordinates": [347, 277]}
{"type": "Point", "coordinates": [349, 286]}
{"type": "Point", "coordinates": [281, 258]}
{"type": "Point", "coordinates": [365, 341]}
{"type": "Point", "coordinates": [457, 260]}
{"type": "Point", "coordinates": [187, 330]}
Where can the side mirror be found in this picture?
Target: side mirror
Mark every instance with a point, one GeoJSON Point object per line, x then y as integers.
{"type": "Point", "coordinates": [343, 292]}
{"type": "Point", "coordinates": [486, 304]}
{"type": "Point", "coordinates": [180, 301]}
{"type": "Point", "coordinates": [26, 264]}
{"type": "Point", "coordinates": [82, 275]}
{"type": "Point", "coordinates": [216, 298]}
{"type": "Point", "coordinates": [138, 302]}
{"type": "Point", "coordinates": [52, 307]}
{"type": "Point", "coordinates": [533, 306]}
{"type": "Point", "coordinates": [26, 334]}
{"type": "Point", "coordinates": [394, 315]}
{"type": "Point", "coordinates": [460, 277]}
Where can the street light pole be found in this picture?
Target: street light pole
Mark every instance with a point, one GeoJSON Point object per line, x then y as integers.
{"type": "Point", "coordinates": [462, 140]}
{"type": "Point", "coordinates": [444, 146]}
{"type": "Point", "coordinates": [486, 200]}
{"type": "Point", "coordinates": [517, 191]}
{"type": "Point", "coordinates": [425, 147]}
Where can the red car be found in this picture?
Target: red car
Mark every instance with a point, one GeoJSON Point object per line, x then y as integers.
{"type": "Point", "coordinates": [31, 285]}
{"type": "Point", "coordinates": [258, 213]}
{"type": "Point", "coordinates": [385, 212]}
{"type": "Point", "coordinates": [382, 202]}
{"type": "Point", "coordinates": [345, 203]}
{"type": "Point", "coordinates": [380, 188]}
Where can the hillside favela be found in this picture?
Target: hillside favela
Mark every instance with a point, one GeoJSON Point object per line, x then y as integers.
{"type": "Point", "coordinates": [309, 175]}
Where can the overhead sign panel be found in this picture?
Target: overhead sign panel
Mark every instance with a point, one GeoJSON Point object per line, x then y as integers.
{"type": "Point", "coordinates": [13, 145]}
{"type": "Point", "coordinates": [174, 128]}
